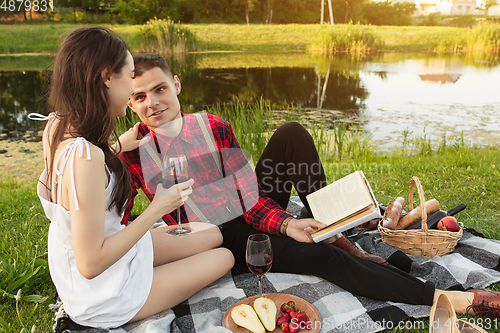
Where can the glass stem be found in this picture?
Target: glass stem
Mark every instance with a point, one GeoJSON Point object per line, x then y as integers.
{"type": "Point", "coordinates": [179, 218]}
{"type": "Point", "coordinates": [260, 285]}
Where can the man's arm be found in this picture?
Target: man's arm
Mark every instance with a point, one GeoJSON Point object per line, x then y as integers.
{"type": "Point", "coordinates": [266, 214]}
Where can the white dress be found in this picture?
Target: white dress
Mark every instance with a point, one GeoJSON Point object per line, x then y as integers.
{"type": "Point", "coordinates": [115, 296]}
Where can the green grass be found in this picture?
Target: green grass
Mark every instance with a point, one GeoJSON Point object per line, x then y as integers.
{"type": "Point", "coordinates": [45, 38]}
{"type": "Point", "coordinates": [449, 171]}
{"type": "Point", "coordinates": [453, 175]}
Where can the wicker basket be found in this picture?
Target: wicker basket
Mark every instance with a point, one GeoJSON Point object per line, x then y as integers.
{"type": "Point", "coordinates": [420, 242]}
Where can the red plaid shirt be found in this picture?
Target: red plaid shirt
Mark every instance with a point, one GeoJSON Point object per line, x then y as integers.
{"type": "Point", "coordinates": [209, 189]}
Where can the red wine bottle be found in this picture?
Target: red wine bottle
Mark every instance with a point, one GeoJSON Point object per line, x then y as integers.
{"type": "Point", "coordinates": [259, 264]}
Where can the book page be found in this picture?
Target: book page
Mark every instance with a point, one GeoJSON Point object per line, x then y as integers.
{"type": "Point", "coordinates": [343, 198]}
{"type": "Point", "coordinates": [344, 221]}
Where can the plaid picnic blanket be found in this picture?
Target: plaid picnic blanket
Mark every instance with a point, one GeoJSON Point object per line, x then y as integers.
{"type": "Point", "coordinates": [475, 263]}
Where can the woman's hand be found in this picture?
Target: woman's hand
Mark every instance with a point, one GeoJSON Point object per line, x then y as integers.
{"type": "Point", "coordinates": [301, 230]}
{"type": "Point", "coordinates": [128, 140]}
{"type": "Point", "coordinates": [166, 200]}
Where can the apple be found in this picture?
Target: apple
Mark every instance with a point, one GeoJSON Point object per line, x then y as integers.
{"type": "Point", "coordinates": [448, 223]}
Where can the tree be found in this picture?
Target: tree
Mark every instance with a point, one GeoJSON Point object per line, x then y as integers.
{"type": "Point", "coordinates": [489, 3]}
{"type": "Point", "coordinates": [249, 6]}
{"type": "Point", "coordinates": [270, 5]}
{"type": "Point", "coordinates": [386, 13]}
{"type": "Point", "coordinates": [348, 10]}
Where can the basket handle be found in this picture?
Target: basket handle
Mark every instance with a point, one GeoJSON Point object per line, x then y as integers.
{"type": "Point", "coordinates": [414, 180]}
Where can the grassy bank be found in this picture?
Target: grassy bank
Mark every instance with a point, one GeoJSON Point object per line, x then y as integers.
{"type": "Point", "coordinates": [45, 38]}
{"type": "Point", "coordinates": [449, 170]}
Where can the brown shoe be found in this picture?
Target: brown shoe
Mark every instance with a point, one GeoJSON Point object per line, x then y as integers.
{"type": "Point", "coordinates": [345, 244]}
{"type": "Point", "coordinates": [486, 303]}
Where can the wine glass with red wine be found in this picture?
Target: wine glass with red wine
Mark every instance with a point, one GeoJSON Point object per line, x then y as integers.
{"type": "Point", "coordinates": [259, 256]}
{"type": "Point", "coordinates": [175, 171]}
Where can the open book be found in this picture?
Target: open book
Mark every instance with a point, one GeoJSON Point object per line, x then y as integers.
{"type": "Point", "coordinates": [344, 204]}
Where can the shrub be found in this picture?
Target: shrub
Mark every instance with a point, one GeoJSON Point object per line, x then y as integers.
{"type": "Point", "coordinates": [349, 38]}
{"type": "Point", "coordinates": [166, 37]}
{"type": "Point", "coordinates": [484, 37]}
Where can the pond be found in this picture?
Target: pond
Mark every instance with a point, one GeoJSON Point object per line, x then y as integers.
{"type": "Point", "coordinates": [386, 93]}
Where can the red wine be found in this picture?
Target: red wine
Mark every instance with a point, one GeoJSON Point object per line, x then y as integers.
{"type": "Point", "coordinates": [259, 264]}
{"type": "Point", "coordinates": [170, 180]}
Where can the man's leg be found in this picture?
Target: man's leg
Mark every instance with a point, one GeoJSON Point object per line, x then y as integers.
{"type": "Point", "coordinates": [291, 159]}
{"type": "Point", "coordinates": [361, 277]}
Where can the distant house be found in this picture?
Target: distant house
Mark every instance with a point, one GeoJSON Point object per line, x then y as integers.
{"type": "Point", "coordinates": [494, 11]}
{"type": "Point", "coordinates": [456, 7]}
{"type": "Point", "coordinates": [424, 7]}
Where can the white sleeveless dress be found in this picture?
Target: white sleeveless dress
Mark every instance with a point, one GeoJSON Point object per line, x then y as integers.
{"type": "Point", "coordinates": [115, 296]}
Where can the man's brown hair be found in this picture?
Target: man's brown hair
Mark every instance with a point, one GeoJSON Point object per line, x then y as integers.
{"type": "Point", "coordinates": [146, 61]}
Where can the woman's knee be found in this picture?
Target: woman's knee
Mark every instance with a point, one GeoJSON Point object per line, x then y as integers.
{"type": "Point", "coordinates": [212, 233]}
{"type": "Point", "coordinates": [224, 257]}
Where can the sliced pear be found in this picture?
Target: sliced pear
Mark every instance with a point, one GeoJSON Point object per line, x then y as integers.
{"type": "Point", "coordinates": [266, 309]}
{"type": "Point", "coordinates": [245, 316]}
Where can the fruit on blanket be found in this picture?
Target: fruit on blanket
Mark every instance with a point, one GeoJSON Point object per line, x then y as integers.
{"type": "Point", "coordinates": [245, 316]}
{"type": "Point", "coordinates": [448, 223]}
{"type": "Point", "coordinates": [266, 310]}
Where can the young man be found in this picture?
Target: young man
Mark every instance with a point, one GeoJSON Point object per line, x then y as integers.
{"type": "Point", "coordinates": [155, 102]}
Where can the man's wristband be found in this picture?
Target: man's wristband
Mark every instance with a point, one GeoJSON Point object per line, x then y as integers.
{"type": "Point", "coordinates": [284, 225]}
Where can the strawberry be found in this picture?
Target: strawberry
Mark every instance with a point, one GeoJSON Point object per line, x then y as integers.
{"type": "Point", "coordinates": [302, 317]}
{"type": "Point", "coordinates": [283, 319]}
{"type": "Point", "coordinates": [294, 328]}
{"type": "Point", "coordinates": [285, 327]}
{"type": "Point", "coordinates": [308, 324]}
{"type": "Point", "coordinates": [287, 307]}
{"type": "Point", "coordinates": [293, 314]}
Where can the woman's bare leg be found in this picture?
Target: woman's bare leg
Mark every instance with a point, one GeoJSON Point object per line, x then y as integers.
{"type": "Point", "coordinates": [179, 280]}
{"type": "Point", "coordinates": [167, 248]}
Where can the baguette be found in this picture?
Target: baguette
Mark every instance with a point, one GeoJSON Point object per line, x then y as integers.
{"type": "Point", "coordinates": [392, 213]}
{"type": "Point", "coordinates": [431, 206]}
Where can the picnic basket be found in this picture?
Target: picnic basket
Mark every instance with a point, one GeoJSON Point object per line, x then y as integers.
{"type": "Point", "coordinates": [420, 242]}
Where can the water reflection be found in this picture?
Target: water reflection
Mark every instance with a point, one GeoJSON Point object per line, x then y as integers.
{"type": "Point", "coordinates": [387, 93]}
{"type": "Point", "coordinates": [20, 94]}
{"type": "Point", "coordinates": [280, 86]}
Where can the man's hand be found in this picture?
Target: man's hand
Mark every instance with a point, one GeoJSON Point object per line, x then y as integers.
{"type": "Point", "coordinates": [301, 230]}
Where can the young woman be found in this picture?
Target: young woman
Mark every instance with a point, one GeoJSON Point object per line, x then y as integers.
{"type": "Point", "coordinates": [106, 274]}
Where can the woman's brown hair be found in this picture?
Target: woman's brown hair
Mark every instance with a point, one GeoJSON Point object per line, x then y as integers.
{"type": "Point", "coordinates": [78, 97]}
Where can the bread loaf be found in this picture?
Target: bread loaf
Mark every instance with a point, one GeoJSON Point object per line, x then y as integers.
{"type": "Point", "coordinates": [431, 206]}
{"type": "Point", "coordinates": [393, 212]}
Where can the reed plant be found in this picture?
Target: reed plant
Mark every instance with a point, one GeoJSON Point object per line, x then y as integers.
{"type": "Point", "coordinates": [484, 37]}
{"type": "Point", "coordinates": [164, 36]}
{"type": "Point", "coordinates": [251, 122]}
{"type": "Point", "coordinates": [350, 38]}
